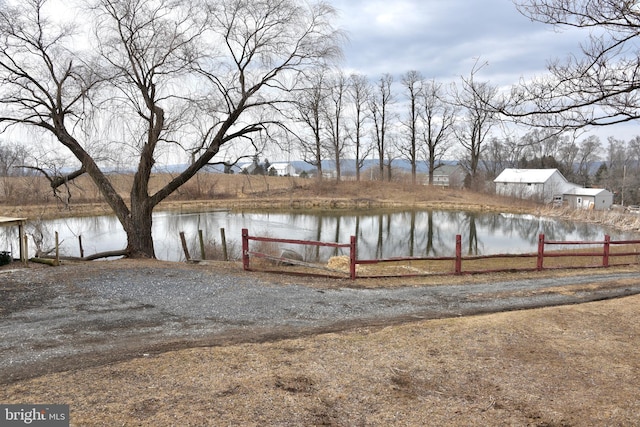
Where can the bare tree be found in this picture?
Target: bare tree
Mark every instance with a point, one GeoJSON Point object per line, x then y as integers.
{"type": "Point", "coordinates": [334, 116]}
{"type": "Point", "coordinates": [359, 92]}
{"type": "Point", "coordinates": [474, 98]}
{"type": "Point", "coordinates": [380, 107]}
{"type": "Point", "coordinates": [542, 145]}
{"type": "Point", "coordinates": [597, 88]}
{"type": "Point", "coordinates": [412, 82]}
{"type": "Point", "coordinates": [632, 181]}
{"type": "Point", "coordinates": [230, 61]}
{"type": "Point", "coordinates": [618, 163]}
{"type": "Point", "coordinates": [437, 116]}
{"type": "Point", "coordinates": [309, 111]}
{"type": "Point", "coordinates": [588, 154]}
{"type": "Point", "coordinates": [12, 159]}
{"type": "Point", "coordinates": [500, 154]}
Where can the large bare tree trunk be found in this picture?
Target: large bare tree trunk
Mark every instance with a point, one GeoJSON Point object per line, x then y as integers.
{"type": "Point", "coordinates": [138, 229]}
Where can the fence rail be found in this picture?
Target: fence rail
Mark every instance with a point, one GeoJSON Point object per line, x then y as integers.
{"type": "Point", "coordinates": [604, 253]}
{"type": "Point", "coordinates": [246, 253]}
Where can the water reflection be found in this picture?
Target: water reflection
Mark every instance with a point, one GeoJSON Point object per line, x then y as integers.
{"type": "Point", "coordinates": [379, 235]}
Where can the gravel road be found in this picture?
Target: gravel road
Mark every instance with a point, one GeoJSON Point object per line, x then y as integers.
{"type": "Point", "coordinates": [54, 319]}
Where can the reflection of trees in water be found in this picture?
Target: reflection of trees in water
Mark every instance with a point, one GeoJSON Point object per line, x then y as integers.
{"type": "Point", "coordinates": [424, 238]}
{"type": "Point", "coordinates": [528, 228]}
{"type": "Point", "coordinates": [411, 233]}
{"type": "Point", "coordinates": [379, 235]}
{"type": "Point", "coordinates": [472, 235]}
{"type": "Point", "coordinates": [430, 248]}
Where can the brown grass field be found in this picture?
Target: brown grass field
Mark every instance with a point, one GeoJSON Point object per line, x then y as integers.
{"type": "Point", "coordinates": [561, 366]}
{"type": "Point", "coordinates": [32, 196]}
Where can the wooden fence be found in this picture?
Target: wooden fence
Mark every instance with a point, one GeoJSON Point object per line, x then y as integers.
{"type": "Point", "coordinates": [246, 253]}
{"type": "Point", "coordinates": [603, 254]}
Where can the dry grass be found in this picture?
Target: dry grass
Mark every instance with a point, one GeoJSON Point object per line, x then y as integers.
{"type": "Point", "coordinates": [549, 367]}
{"type": "Point", "coordinates": [31, 196]}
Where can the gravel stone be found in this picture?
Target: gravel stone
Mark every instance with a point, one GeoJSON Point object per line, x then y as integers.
{"type": "Point", "coordinates": [54, 320]}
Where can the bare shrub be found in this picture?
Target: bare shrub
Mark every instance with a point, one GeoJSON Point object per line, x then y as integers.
{"type": "Point", "coordinates": [214, 251]}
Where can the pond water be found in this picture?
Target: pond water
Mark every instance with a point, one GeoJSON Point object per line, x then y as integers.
{"type": "Point", "coordinates": [379, 235]}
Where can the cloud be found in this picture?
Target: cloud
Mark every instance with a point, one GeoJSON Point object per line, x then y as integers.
{"type": "Point", "coordinates": [443, 39]}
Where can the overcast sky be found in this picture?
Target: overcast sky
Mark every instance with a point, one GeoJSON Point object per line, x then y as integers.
{"type": "Point", "coordinates": [442, 38]}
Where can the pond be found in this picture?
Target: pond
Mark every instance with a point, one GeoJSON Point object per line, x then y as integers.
{"type": "Point", "coordinates": [379, 235]}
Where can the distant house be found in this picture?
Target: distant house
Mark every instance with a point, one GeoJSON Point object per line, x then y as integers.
{"type": "Point", "coordinates": [448, 176]}
{"type": "Point", "coordinates": [283, 169]}
{"type": "Point", "coordinates": [545, 185]}
{"type": "Point", "coordinates": [589, 198]}
{"type": "Point", "coordinates": [244, 167]}
{"type": "Point", "coordinates": [280, 168]}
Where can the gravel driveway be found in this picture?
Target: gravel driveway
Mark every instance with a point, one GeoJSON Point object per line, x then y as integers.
{"type": "Point", "coordinates": [55, 319]}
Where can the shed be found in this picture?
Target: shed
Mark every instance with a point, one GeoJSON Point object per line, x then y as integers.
{"type": "Point", "coordinates": [589, 198]}
{"type": "Point", "coordinates": [539, 184]}
{"type": "Point", "coordinates": [20, 223]}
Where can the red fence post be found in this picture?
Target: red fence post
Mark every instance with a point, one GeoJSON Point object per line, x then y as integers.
{"type": "Point", "coordinates": [607, 248]}
{"type": "Point", "coordinates": [352, 258]}
{"type": "Point", "coordinates": [540, 252]}
{"type": "Point", "coordinates": [245, 249]}
{"type": "Point", "coordinates": [458, 254]}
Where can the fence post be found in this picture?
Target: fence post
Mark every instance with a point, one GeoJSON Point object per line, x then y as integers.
{"type": "Point", "coordinates": [80, 244]}
{"type": "Point", "coordinates": [57, 260]}
{"type": "Point", "coordinates": [458, 254]}
{"type": "Point", "coordinates": [607, 248]}
{"type": "Point", "coordinates": [203, 254]}
{"type": "Point", "coordinates": [25, 241]}
{"type": "Point", "coordinates": [352, 258]}
{"type": "Point", "coordinates": [223, 239]}
{"type": "Point", "coordinates": [245, 249]}
{"type": "Point", "coordinates": [185, 249]}
{"type": "Point", "coordinates": [540, 265]}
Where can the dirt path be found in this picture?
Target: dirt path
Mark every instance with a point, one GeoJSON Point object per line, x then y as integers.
{"type": "Point", "coordinates": [56, 319]}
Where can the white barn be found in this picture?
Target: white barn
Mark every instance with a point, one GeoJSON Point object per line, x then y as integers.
{"type": "Point", "coordinates": [541, 184]}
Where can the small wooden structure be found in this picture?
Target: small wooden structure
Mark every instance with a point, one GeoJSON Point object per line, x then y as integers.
{"type": "Point", "coordinates": [20, 223]}
{"type": "Point", "coordinates": [589, 198]}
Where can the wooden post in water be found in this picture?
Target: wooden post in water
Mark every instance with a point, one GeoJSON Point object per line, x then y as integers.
{"type": "Point", "coordinates": [223, 239]}
{"type": "Point", "coordinates": [203, 255]}
{"type": "Point", "coordinates": [25, 238]}
{"type": "Point", "coordinates": [184, 246]}
{"type": "Point", "coordinates": [458, 266]}
{"type": "Point", "coordinates": [57, 260]}
{"type": "Point", "coordinates": [81, 248]}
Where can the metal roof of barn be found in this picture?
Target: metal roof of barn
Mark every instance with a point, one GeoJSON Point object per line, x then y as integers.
{"type": "Point", "coordinates": [586, 191]}
{"type": "Point", "coordinates": [533, 176]}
